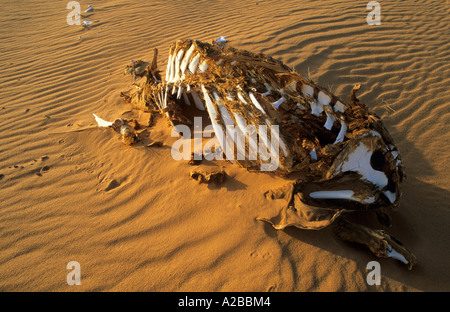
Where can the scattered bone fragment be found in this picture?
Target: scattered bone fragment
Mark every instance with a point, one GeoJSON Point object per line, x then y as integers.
{"type": "Point", "coordinates": [125, 127]}
{"type": "Point", "coordinates": [89, 9]}
{"type": "Point", "coordinates": [136, 68]}
{"type": "Point", "coordinates": [216, 176]}
{"type": "Point", "coordinates": [155, 144]}
{"type": "Point", "coordinates": [128, 135]}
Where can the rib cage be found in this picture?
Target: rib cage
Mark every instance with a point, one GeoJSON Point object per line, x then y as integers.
{"type": "Point", "coordinates": [243, 89]}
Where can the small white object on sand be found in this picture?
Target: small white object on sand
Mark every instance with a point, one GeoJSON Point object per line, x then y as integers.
{"type": "Point", "coordinates": [101, 122]}
{"type": "Point", "coordinates": [221, 39]}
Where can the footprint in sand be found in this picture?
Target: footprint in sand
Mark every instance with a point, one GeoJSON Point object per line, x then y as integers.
{"type": "Point", "coordinates": [43, 170]}
{"type": "Point", "coordinates": [112, 185]}
{"type": "Point", "coordinates": [265, 256]}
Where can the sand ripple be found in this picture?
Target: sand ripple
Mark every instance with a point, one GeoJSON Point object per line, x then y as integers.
{"type": "Point", "coordinates": [132, 217]}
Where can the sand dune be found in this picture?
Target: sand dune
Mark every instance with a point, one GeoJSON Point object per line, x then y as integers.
{"type": "Point", "coordinates": [133, 218]}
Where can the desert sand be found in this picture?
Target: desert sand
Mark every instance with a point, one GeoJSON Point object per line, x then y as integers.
{"type": "Point", "coordinates": [133, 218]}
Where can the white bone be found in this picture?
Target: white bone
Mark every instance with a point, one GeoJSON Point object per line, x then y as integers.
{"type": "Point", "coordinates": [203, 67]}
{"type": "Point", "coordinates": [171, 122]}
{"type": "Point", "coordinates": [197, 101]}
{"type": "Point", "coordinates": [230, 129]}
{"type": "Point", "coordinates": [342, 194]}
{"type": "Point", "coordinates": [339, 107]}
{"type": "Point", "coordinates": [221, 39]}
{"type": "Point", "coordinates": [392, 253]}
{"type": "Point", "coordinates": [188, 89]}
{"type": "Point", "coordinates": [158, 97]}
{"type": "Point", "coordinates": [342, 132]}
{"type": "Point", "coordinates": [169, 63]}
{"type": "Point", "coordinates": [316, 108]}
{"type": "Point", "coordinates": [323, 98]}
{"type": "Point", "coordinates": [228, 121]}
{"type": "Point", "coordinates": [313, 154]}
{"type": "Point", "coordinates": [359, 161]}
{"type": "Point", "coordinates": [164, 104]}
{"type": "Point", "coordinates": [255, 102]}
{"type": "Point", "coordinates": [223, 111]}
{"type": "Point", "coordinates": [125, 130]}
{"type": "Point", "coordinates": [279, 140]}
{"type": "Point", "coordinates": [369, 200]}
{"type": "Point", "coordinates": [186, 59]}
{"type": "Point", "coordinates": [172, 68]}
{"type": "Point", "coordinates": [307, 90]}
{"type": "Point", "coordinates": [375, 133]}
{"type": "Point", "coordinates": [252, 145]}
{"type": "Point", "coordinates": [262, 134]}
{"type": "Point", "coordinates": [391, 196]}
{"type": "Point", "coordinates": [277, 103]}
{"type": "Point", "coordinates": [209, 105]}
{"type": "Point", "coordinates": [177, 65]}
{"type": "Point", "coordinates": [283, 147]}
{"type": "Point", "coordinates": [194, 63]}
{"type": "Point", "coordinates": [330, 121]}
{"type": "Point", "coordinates": [217, 128]}
{"type": "Point", "coordinates": [241, 97]}
{"type": "Point", "coordinates": [180, 91]}
{"type": "Point", "coordinates": [102, 122]}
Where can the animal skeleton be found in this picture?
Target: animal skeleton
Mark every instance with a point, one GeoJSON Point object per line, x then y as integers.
{"type": "Point", "coordinates": [348, 157]}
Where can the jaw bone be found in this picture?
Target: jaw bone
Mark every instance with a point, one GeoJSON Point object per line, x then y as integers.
{"type": "Point", "coordinates": [380, 243]}
{"type": "Point", "coordinates": [392, 253]}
